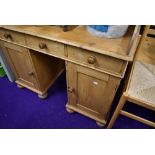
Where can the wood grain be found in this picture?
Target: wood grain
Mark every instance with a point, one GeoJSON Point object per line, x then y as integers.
{"type": "Point", "coordinates": [20, 63]}
{"type": "Point", "coordinates": [118, 48]}
{"type": "Point", "coordinates": [91, 91]}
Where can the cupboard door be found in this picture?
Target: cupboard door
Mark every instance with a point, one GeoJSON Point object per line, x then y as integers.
{"type": "Point", "coordinates": [90, 92]}
{"type": "Point", "coordinates": [20, 62]}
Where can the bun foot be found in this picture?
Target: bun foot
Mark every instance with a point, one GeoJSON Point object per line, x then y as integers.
{"type": "Point", "coordinates": [69, 110]}
{"type": "Point", "coordinates": [43, 96]}
{"type": "Point", "coordinates": [100, 124]}
{"type": "Point", "coordinates": [19, 86]}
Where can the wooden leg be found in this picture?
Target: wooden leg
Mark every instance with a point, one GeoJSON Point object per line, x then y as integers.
{"type": "Point", "coordinates": [19, 86]}
{"type": "Point", "coordinates": [100, 124]}
{"type": "Point", "coordinates": [43, 96]}
{"type": "Point", "coordinates": [117, 111]}
{"type": "Point", "coordinates": [69, 110]}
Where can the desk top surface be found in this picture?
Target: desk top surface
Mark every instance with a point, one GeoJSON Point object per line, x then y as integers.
{"type": "Point", "coordinates": [79, 37]}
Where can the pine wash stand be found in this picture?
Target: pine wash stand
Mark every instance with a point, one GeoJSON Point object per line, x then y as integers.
{"type": "Point", "coordinates": [94, 66]}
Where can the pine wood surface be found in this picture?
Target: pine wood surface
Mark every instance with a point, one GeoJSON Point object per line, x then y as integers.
{"type": "Point", "coordinates": [79, 37]}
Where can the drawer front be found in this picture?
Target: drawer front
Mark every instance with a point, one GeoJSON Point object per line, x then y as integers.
{"type": "Point", "coordinates": [12, 36]}
{"type": "Point", "coordinates": [45, 45]}
{"type": "Point", "coordinates": [96, 60]}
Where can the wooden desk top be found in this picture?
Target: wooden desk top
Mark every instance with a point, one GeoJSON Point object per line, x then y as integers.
{"type": "Point", "coordinates": [79, 37]}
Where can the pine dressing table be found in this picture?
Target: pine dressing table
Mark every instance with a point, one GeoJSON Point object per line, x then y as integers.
{"type": "Point", "coordinates": [94, 66]}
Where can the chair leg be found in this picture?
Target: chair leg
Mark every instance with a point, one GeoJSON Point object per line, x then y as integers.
{"type": "Point", "coordinates": [117, 111]}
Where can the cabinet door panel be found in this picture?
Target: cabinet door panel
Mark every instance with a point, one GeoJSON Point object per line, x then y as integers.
{"type": "Point", "coordinates": [89, 91]}
{"type": "Point", "coordinates": [21, 64]}
{"type": "Point", "coordinates": [92, 91]}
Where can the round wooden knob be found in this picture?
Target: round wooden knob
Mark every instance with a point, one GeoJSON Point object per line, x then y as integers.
{"type": "Point", "coordinates": [7, 35]}
{"type": "Point", "coordinates": [91, 59]}
{"type": "Point", "coordinates": [42, 46]}
{"type": "Point", "coordinates": [71, 90]}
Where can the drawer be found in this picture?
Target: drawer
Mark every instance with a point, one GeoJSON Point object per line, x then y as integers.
{"type": "Point", "coordinates": [12, 36]}
{"type": "Point", "coordinates": [45, 45]}
{"type": "Point", "coordinates": [96, 60]}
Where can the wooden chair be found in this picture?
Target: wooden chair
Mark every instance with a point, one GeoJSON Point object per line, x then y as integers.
{"type": "Point", "coordinates": [140, 87]}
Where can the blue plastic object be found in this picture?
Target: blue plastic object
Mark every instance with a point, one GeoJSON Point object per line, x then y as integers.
{"type": "Point", "coordinates": [101, 28]}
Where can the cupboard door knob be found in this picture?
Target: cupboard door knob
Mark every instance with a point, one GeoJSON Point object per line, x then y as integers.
{"type": "Point", "coordinates": [7, 35]}
{"type": "Point", "coordinates": [91, 59]}
{"type": "Point", "coordinates": [42, 46]}
{"type": "Point", "coordinates": [71, 90]}
{"type": "Point", "coordinates": [30, 73]}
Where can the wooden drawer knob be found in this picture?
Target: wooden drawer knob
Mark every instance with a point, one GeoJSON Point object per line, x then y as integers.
{"type": "Point", "coordinates": [42, 46]}
{"type": "Point", "coordinates": [7, 36]}
{"type": "Point", "coordinates": [91, 59]}
{"type": "Point", "coordinates": [71, 90]}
